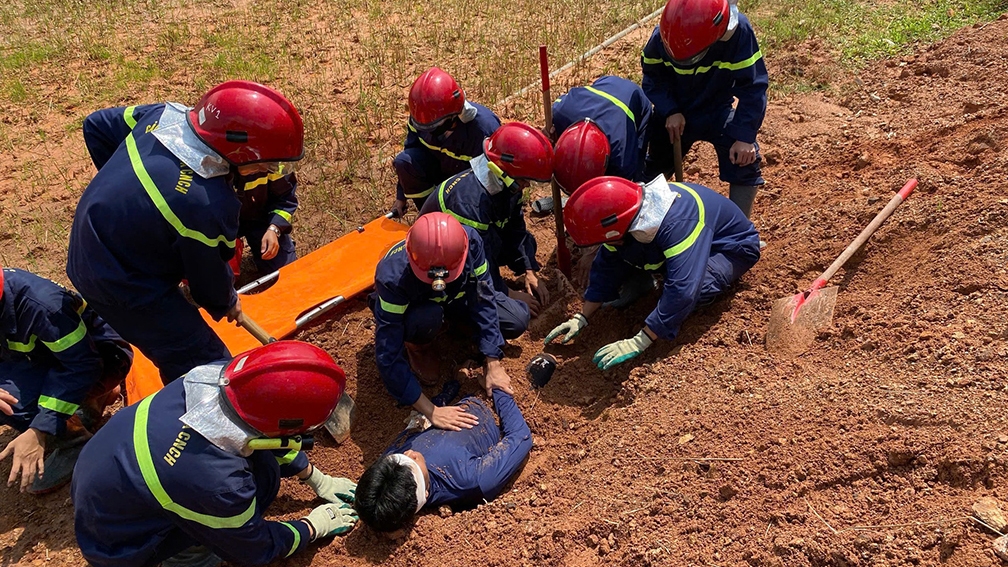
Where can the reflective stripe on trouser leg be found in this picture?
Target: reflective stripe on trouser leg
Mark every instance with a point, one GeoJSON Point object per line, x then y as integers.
{"type": "Point", "coordinates": [743, 196]}
{"type": "Point", "coordinates": [418, 173]}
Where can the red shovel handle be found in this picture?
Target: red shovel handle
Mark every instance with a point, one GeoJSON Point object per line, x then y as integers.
{"type": "Point", "coordinates": [865, 234]}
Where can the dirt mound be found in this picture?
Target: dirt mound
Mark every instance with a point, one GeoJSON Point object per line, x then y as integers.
{"type": "Point", "coordinates": [867, 450]}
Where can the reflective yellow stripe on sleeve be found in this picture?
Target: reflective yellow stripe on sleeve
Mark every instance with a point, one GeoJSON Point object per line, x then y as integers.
{"type": "Point", "coordinates": [57, 405]}
{"type": "Point", "coordinates": [150, 476]}
{"type": "Point", "coordinates": [458, 295]}
{"type": "Point", "coordinates": [288, 457]}
{"type": "Point", "coordinates": [609, 247]}
{"type": "Point", "coordinates": [297, 539]}
{"type": "Point", "coordinates": [481, 269]}
{"type": "Point", "coordinates": [695, 233]}
{"type": "Point", "coordinates": [392, 307]}
{"type": "Point", "coordinates": [128, 117]}
{"type": "Point", "coordinates": [264, 179]}
{"type": "Point", "coordinates": [282, 214]}
{"type": "Point", "coordinates": [162, 205]}
{"type": "Point", "coordinates": [421, 194]}
{"type": "Point", "coordinates": [22, 347]}
{"type": "Point", "coordinates": [65, 342]}
{"type": "Point", "coordinates": [613, 100]}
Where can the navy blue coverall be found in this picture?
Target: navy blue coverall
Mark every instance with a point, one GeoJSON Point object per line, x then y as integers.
{"type": "Point", "coordinates": [147, 487]}
{"type": "Point", "coordinates": [621, 110]}
{"type": "Point", "coordinates": [265, 200]}
{"type": "Point", "coordinates": [428, 158]}
{"type": "Point", "coordinates": [703, 93]}
{"type": "Point", "coordinates": [54, 352]}
{"type": "Point", "coordinates": [408, 310]}
{"type": "Point", "coordinates": [472, 465]}
{"type": "Point", "coordinates": [144, 223]}
{"type": "Point", "coordinates": [500, 220]}
{"type": "Point", "coordinates": [703, 246]}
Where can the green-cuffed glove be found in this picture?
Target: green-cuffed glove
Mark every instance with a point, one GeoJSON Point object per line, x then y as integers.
{"type": "Point", "coordinates": [333, 489]}
{"type": "Point", "coordinates": [331, 520]}
{"type": "Point", "coordinates": [572, 327]}
{"type": "Point", "coordinates": [621, 351]}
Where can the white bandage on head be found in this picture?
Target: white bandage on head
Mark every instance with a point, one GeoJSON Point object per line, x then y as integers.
{"type": "Point", "coordinates": [414, 467]}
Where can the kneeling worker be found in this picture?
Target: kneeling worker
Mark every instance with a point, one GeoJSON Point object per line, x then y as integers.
{"type": "Point", "coordinates": [698, 239]}
{"type": "Point", "coordinates": [439, 272]}
{"type": "Point", "coordinates": [58, 358]}
{"type": "Point", "coordinates": [177, 478]}
{"type": "Point", "coordinates": [436, 467]}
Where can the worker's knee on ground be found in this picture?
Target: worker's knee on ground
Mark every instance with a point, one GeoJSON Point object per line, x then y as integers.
{"type": "Point", "coordinates": [513, 315]}
{"type": "Point", "coordinates": [722, 272]}
{"type": "Point", "coordinates": [413, 168]}
{"type": "Point", "coordinates": [195, 556]}
{"type": "Point", "coordinates": [422, 323]}
{"type": "Point", "coordinates": [743, 196]}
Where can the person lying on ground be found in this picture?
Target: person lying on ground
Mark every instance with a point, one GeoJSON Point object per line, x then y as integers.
{"type": "Point", "coordinates": [162, 208]}
{"type": "Point", "coordinates": [431, 468]}
{"type": "Point", "coordinates": [697, 239]}
{"type": "Point", "coordinates": [184, 477]}
{"type": "Point", "coordinates": [490, 197]}
{"type": "Point", "coordinates": [443, 133]}
{"type": "Point", "coordinates": [702, 56]}
{"type": "Point", "coordinates": [61, 365]}
{"type": "Point", "coordinates": [438, 274]}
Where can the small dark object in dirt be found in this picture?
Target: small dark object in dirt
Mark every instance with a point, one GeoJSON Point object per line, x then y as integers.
{"type": "Point", "coordinates": [541, 369]}
{"type": "Point", "coordinates": [448, 393]}
{"type": "Point", "coordinates": [543, 206]}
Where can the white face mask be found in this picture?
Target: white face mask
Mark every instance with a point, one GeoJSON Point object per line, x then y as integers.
{"type": "Point", "coordinates": [414, 467]}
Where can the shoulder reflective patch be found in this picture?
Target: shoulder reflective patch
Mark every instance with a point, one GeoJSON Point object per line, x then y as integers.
{"type": "Point", "coordinates": [67, 341]}
{"type": "Point", "coordinates": [128, 117]}
{"type": "Point", "coordinates": [264, 179]}
{"type": "Point", "coordinates": [695, 233]}
{"type": "Point", "coordinates": [297, 538]}
{"type": "Point", "coordinates": [727, 66]}
{"type": "Point", "coordinates": [394, 308]}
{"type": "Point", "coordinates": [609, 247]}
{"type": "Point", "coordinates": [150, 476]}
{"type": "Point", "coordinates": [57, 405]}
{"type": "Point", "coordinates": [614, 100]}
{"type": "Point", "coordinates": [444, 208]}
{"type": "Point", "coordinates": [159, 201]}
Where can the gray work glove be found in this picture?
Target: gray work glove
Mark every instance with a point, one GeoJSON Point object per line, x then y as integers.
{"type": "Point", "coordinates": [331, 519]}
{"type": "Point", "coordinates": [332, 489]}
{"type": "Point", "coordinates": [572, 327]}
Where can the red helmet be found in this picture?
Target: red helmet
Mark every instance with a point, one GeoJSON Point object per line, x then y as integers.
{"type": "Point", "coordinates": [437, 247]}
{"type": "Point", "coordinates": [602, 209]}
{"type": "Point", "coordinates": [581, 153]}
{"type": "Point", "coordinates": [283, 388]}
{"type": "Point", "coordinates": [688, 27]}
{"type": "Point", "coordinates": [434, 98]}
{"type": "Point", "coordinates": [520, 151]}
{"type": "Point", "coordinates": [248, 123]}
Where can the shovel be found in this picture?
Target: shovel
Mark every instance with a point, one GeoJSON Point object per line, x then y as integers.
{"type": "Point", "coordinates": [342, 417]}
{"type": "Point", "coordinates": [795, 320]}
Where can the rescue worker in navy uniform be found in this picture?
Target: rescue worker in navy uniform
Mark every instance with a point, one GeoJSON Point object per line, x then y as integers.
{"type": "Point", "coordinates": [438, 273]}
{"type": "Point", "coordinates": [490, 198]}
{"type": "Point", "coordinates": [444, 132]}
{"type": "Point", "coordinates": [431, 468]}
{"type": "Point", "coordinates": [163, 208]}
{"type": "Point", "coordinates": [695, 237]}
{"type": "Point", "coordinates": [57, 356]}
{"type": "Point", "coordinates": [702, 55]}
{"type": "Point", "coordinates": [268, 203]}
{"type": "Point", "coordinates": [600, 129]}
{"type": "Point", "coordinates": [184, 477]}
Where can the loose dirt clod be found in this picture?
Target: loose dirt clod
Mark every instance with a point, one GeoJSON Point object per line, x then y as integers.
{"type": "Point", "coordinates": [988, 510]}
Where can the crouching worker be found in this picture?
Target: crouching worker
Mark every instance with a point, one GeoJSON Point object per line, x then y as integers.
{"type": "Point", "coordinates": [700, 241]}
{"type": "Point", "coordinates": [60, 366]}
{"type": "Point", "coordinates": [435, 467]}
{"type": "Point", "coordinates": [184, 476]}
{"type": "Point", "coordinates": [438, 273]}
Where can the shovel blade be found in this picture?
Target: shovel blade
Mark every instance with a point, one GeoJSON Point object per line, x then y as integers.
{"type": "Point", "coordinates": [342, 418]}
{"type": "Point", "coordinates": [796, 320]}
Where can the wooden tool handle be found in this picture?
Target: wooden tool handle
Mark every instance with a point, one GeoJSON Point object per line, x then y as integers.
{"type": "Point", "coordinates": [256, 331]}
{"type": "Point", "coordinates": [563, 254]}
{"type": "Point", "coordinates": [677, 160]}
{"type": "Point", "coordinates": [866, 233]}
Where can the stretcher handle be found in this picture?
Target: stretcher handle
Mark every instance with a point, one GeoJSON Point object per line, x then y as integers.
{"type": "Point", "coordinates": [255, 330]}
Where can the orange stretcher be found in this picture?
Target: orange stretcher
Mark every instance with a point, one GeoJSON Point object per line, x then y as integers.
{"type": "Point", "coordinates": [302, 291]}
